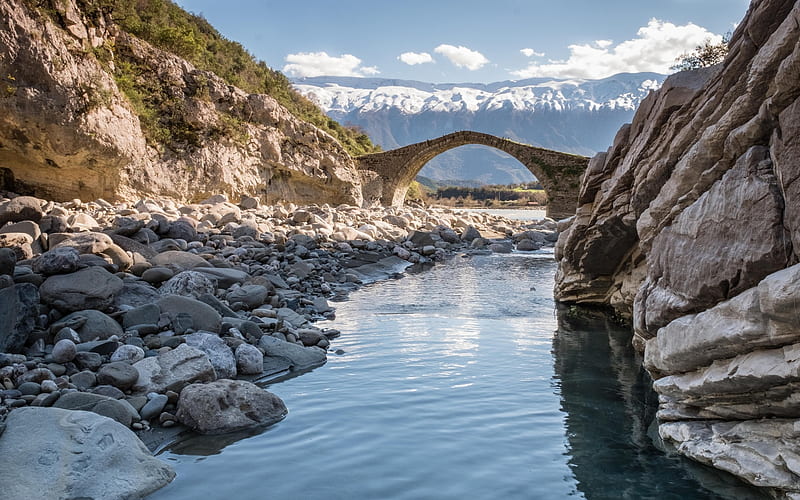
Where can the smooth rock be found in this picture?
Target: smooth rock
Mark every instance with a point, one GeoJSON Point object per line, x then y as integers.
{"type": "Point", "coordinates": [251, 295]}
{"type": "Point", "coordinates": [84, 380]}
{"type": "Point", "coordinates": [76, 454]}
{"type": "Point", "coordinates": [300, 358]}
{"type": "Point", "coordinates": [178, 261]}
{"type": "Point", "coordinates": [145, 314]}
{"type": "Point", "coordinates": [19, 209]}
{"type": "Point", "coordinates": [204, 317]}
{"type": "Point", "coordinates": [156, 275]}
{"type": "Point", "coordinates": [88, 360]}
{"type": "Point", "coordinates": [120, 374]}
{"type": "Point", "coordinates": [64, 351]}
{"type": "Point", "coordinates": [154, 406]}
{"type": "Point", "coordinates": [90, 288]}
{"type": "Point", "coordinates": [8, 259]}
{"type": "Point", "coordinates": [90, 325]}
{"type": "Point", "coordinates": [19, 310]}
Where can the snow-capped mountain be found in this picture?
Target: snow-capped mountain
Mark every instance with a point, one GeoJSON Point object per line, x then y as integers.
{"type": "Point", "coordinates": [577, 116]}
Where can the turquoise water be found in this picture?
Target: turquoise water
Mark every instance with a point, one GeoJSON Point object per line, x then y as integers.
{"type": "Point", "coordinates": [460, 382]}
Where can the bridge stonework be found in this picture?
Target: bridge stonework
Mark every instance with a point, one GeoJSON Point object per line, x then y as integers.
{"type": "Point", "coordinates": [559, 173]}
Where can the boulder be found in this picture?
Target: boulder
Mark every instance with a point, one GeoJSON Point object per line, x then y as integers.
{"type": "Point", "coordinates": [61, 260]}
{"type": "Point", "coordinates": [88, 242]}
{"type": "Point", "coordinates": [224, 277]}
{"type": "Point", "coordinates": [119, 410]}
{"type": "Point", "coordinates": [218, 352]}
{"type": "Point", "coordinates": [249, 360]}
{"type": "Point", "coordinates": [135, 294]}
{"type": "Point", "coordinates": [64, 351]}
{"type": "Point", "coordinates": [71, 454]}
{"type": "Point", "coordinates": [228, 406]}
{"type": "Point", "coordinates": [178, 261]}
{"type": "Point", "coordinates": [188, 284]}
{"type": "Point", "coordinates": [128, 353]}
{"type": "Point", "coordinates": [251, 296]}
{"type": "Point", "coordinates": [21, 208]}
{"type": "Point", "coordinates": [8, 260]}
{"type": "Point", "coordinates": [19, 243]}
{"type": "Point", "coordinates": [90, 288]}
{"type": "Point", "coordinates": [19, 310]}
{"type": "Point", "coordinates": [120, 374]}
{"type": "Point", "coordinates": [89, 325]}
{"type": "Point", "coordinates": [173, 370]}
{"type": "Point", "coordinates": [298, 357]}
{"type": "Point", "coordinates": [204, 317]}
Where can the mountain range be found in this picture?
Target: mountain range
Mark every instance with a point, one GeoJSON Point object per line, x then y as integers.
{"type": "Point", "coordinates": [571, 115]}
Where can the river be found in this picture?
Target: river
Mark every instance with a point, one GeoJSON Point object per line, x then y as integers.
{"type": "Point", "coordinates": [460, 382]}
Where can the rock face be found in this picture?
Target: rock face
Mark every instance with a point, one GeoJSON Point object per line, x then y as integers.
{"type": "Point", "coordinates": [71, 454]}
{"type": "Point", "coordinates": [690, 226]}
{"type": "Point", "coordinates": [63, 115]}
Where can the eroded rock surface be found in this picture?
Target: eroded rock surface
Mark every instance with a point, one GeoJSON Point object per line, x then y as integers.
{"type": "Point", "coordinates": [62, 113]}
{"type": "Point", "coordinates": [689, 225]}
{"type": "Point", "coordinates": [62, 453]}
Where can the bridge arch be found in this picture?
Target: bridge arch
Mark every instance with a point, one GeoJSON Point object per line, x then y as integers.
{"type": "Point", "coordinates": [559, 173]}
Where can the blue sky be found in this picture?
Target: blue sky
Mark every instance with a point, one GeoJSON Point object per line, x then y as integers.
{"type": "Point", "coordinates": [466, 40]}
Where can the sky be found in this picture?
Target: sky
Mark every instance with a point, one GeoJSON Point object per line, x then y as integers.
{"type": "Point", "coordinates": [449, 41]}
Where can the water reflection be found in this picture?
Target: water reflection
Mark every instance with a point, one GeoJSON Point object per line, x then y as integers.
{"type": "Point", "coordinates": [610, 410]}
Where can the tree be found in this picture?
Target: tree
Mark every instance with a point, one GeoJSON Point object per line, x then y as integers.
{"type": "Point", "coordinates": [703, 56]}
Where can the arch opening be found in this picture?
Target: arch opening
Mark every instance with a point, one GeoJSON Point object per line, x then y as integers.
{"type": "Point", "coordinates": [558, 173]}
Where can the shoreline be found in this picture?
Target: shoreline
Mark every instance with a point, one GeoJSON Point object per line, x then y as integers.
{"type": "Point", "coordinates": [129, 304]}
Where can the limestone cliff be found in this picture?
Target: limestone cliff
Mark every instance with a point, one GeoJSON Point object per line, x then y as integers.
{"type": "Point", "coordinates": [690, 225]}
{"type": "Point", "coordinates": [67, 129]}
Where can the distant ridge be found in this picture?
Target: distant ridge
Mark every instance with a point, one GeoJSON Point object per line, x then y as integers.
{"type": "Point", "coordinates": [572, 115]}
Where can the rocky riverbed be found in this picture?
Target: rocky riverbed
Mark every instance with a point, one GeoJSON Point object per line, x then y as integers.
{"type": "Point", "coordinates": [117, 318]}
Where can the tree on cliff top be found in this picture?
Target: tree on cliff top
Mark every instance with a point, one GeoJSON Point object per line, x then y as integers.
{"type": "Point", "coordinates": [704, 55]}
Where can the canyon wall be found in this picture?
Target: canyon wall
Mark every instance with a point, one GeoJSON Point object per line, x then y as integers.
{"type": "Point", "coordinates": [69, 130]}
{"type": "Point", "coordinates": [689, 225]}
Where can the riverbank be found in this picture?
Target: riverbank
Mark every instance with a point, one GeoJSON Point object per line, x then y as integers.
{"type": "Point", "coordinates": [118, 309]}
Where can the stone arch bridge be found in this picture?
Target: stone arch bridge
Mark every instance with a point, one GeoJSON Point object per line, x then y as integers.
{"type": "Point", "coordinates": [559, 173]}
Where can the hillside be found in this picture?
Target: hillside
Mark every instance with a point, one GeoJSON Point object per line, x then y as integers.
{"type": "Point", "coordinates": [574, 116]}
{"type": "Point", "coordinates": [121, 99]}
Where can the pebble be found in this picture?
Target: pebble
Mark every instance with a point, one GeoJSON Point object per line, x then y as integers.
{"type": "Point", "coordinates": [128, 353]}
{"type": "Point", "coordinates": [84, 380]}
{"type": "Point", "coordinates": [49, 386]}
{"type": "Point", "coordinates": [30, 388]}
{"type": "Point", "coordinates": [154, 406]}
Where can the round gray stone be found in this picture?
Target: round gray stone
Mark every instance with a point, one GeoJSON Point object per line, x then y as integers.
{"type": "Point", "coordinates": [64, 351]}
{"type": "Point", "coordinates": [249, 360]}
{"type": "Point", "coordinates": [119, 374]}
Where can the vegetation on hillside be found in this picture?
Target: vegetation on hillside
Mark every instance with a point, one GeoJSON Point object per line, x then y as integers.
{"type": "Point", "coordinates": [168, 27]}
{"type": "Point", "coordinates": [517, 195]}
{"type": "Point", "coordinates": [704, 55]}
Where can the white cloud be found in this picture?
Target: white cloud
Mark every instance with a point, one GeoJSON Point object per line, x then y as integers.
{"type": "Point", "coordinates": [309, 64]}
{"type": "Point", "coordinates": [531, 53]}
{"type": "Point", "coordinates": [462, 56]}
{"type": "Point", "coordinates": [654, 49]}
{"type": "Point", "coordinates": [412, 58]}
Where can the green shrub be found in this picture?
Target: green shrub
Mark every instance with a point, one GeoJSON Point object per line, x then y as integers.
{"type": "Point", "coordinates": [167, 26]}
